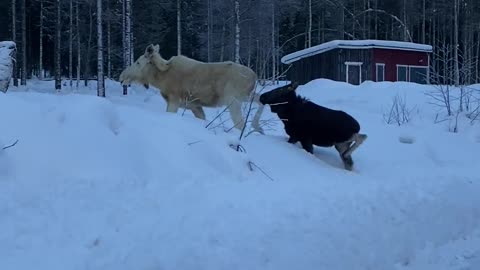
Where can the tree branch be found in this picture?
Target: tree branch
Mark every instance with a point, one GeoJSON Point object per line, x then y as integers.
{"type": "Point", "coordinates": [11, 145]}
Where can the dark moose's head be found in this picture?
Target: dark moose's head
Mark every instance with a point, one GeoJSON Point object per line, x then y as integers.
{"type": "Point", "coordinates": [279, 96]}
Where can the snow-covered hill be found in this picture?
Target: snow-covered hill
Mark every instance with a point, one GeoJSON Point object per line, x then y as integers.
{"type": "Point", "coordinates": [118, 183]}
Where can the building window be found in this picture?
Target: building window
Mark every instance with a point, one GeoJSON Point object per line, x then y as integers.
{"type": "Point", "coordinates": [418, 74]}
{"type": "Point", "coordinates": [415, 74]}
{"type": "Point", "coordinates": [353, 72]}
{"type": "Point", "coordinates": [380, 72]}
{"type": "Point", "coordinates": [402, 73]}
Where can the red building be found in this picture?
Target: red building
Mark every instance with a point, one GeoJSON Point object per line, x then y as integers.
{"type": "Point", "coordinates": [355, 61]}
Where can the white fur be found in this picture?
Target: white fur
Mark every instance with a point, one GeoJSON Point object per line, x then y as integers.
{"type": "Point", "coordinates": [192, 84]}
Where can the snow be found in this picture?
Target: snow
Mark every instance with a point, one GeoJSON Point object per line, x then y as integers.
{"type": "Point", "coordinates": [6, 48]}
{"type": "Point", "coordinates": [118, 183]}
{"type": "Point", "coordinates": [355, 44]}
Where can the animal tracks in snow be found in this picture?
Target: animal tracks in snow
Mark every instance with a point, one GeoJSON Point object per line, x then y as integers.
{"type": "Point", "coordinates": [406, 139]}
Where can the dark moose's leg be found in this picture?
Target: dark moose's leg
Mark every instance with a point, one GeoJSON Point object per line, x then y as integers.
{"type": "Point", "coordinates": [347, 160]}
{"type": "Point", "coordinates": [292, 140]}
{"type": "Point", "coordinates": [307, 145]}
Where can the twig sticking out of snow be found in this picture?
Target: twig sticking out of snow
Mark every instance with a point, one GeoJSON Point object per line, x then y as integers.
{"type": "Point", "coordinates": [251, 164]}
{"type": "Point", "coordinates": [238, 147]}
{"type": "Point", "coordinates": [248, 113]}
{"type": "Point", "coordinates": [218, 115]}
{"type": "Point", "coordinates": [192, 143]}
{"type": "Point", "coordinates": [11, 145]}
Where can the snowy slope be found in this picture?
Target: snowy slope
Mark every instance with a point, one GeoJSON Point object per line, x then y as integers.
{"type": "Point", "coordinates": [118, 183]}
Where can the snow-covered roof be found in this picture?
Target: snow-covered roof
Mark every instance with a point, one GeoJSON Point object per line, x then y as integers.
{"type": "Point", "coordinates": [355, 44]}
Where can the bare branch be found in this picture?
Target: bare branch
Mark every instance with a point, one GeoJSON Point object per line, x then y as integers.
{"type": "Point", "coordinates": [11, 145]}
{"type": "Point", "coordinates": [251, 164]}
{"type": "Point", "coordinates": [391, 16]}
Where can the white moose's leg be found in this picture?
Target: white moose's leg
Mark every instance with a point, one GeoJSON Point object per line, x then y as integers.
{"type": "Point", "coordinates": [258, 114]}
{"type": "Point", "coordinates": [236, 114]}
{"type": "Point", "coordinates": [172, 106]}
{"type": "Point", "coordinates": [357, 139]}
{"type": "Point", "coordinates": [342, 148]}
{"type": "Point", "coordinates": [198, 112]}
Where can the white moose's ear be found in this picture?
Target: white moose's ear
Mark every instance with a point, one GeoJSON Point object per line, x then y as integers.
{"type": "Point", "coordinates": [149, 49]}
{"type": "Point", "coordinates": [156, 48]}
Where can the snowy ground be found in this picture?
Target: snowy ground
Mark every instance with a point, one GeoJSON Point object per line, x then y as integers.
{"type": "Point", "coordinates": [118, 183]}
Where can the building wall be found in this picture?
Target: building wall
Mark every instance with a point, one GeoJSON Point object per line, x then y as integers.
{"type": "Point", "coordinates": [364, 56]}
{"type": "Point", "coordinates": [330, 65]}
{"type": "Point", "coordinates": [392, 58]}
{"type": "Point", "coordinates": [317, 66]}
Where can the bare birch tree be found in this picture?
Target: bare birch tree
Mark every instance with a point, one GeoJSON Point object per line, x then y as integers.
{"type": "Point", "coordinates": [274, 64]}
{"type": "Point", "coordinates": [310, 21]}
{"type": "Point", "coordinates": [237, 31]}
{"type": "Point", "coordinates": [23, 75]}
{"type": "Point", "coordinates": [109, 41]}
{"type": "Point", "coordinates": [40, 57]}
{"type": "Point", "coordinates": [179, 27]}
{"type": "Point", "coordinates": [456, 45]}
{"type": "Point", "coordinates": [14, 39]}
{"type": "Point", "coordinates": [58, 35]}
{"type": "Point", "coordinates": [77, 26]}
{"type": "Point", "coordinates": [70, 45]}
{"type": "Point", "coordinates": [209, 30]}
{"type": "Point", "coordinates": [126, 37]}
{"type": "Point", "coordinates": [100, 78]}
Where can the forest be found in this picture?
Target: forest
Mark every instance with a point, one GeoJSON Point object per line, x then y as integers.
{"type": "Point", "coordinates": [84, 39]}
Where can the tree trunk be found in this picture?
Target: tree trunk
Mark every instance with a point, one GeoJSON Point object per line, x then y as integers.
{"type": "Point", "coordinates": [319, 26]}
{"type": "Point", "coordinates": [249, 46]}
{"type": "Point", "coordinates": [130, 32]}
{"type": "Point", "coordinates": [70, 45]}
{"type": "Point", "coordinates": [365, 28]}
{"type": "Point", "coordinates": [23, 78]}
{"type": "Point", "coordinates": [86, 74]}
{"type": "Point", "coordinates": [477, 66]}
{"type": "Point", "coordinates": [109, 42]}
{"type": "Point", "coordinates": [209, 27]}
{"type": "Point", "coordinates": [310, 20]}
{"type": "Point", "coordinates": [376, 20]}
{"type": "Point", "coordinates": [273, 40]}
{"type": "Point", "coordinates": [405, 38]}
{"type": "Point", "coordinates": [131, 48]}
{"type": "Point", "coordinates": [222, 40]}
{"type": "Point", "coordinates": [100, 79]}
{"type": "Point", "coordinates": [77, 26]}
{"type": "Point", "coordinates": [342, 21]}
{"type": "Point", "coordinates": [179, 27]}
{"type": "Point", "coordinates": [126, 33]}
{"type": "Point", "coordinates": [40, 56]}
{"type": "Point", "coordinates": [257, 56]}
{"type": "Point", "coordinates": [455, 45]}
{"type": "Point", "coordinates": [423, 21]}
{"type": "Point", "coordinates": [14, 39]}
{"type": "Point", "coordinates": [237, 31]}
{"type": "Point", "coordinates": [58, 31]}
